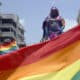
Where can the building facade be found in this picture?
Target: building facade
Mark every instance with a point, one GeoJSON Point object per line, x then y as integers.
{"type": "Point", "coordinates": [11, 29]}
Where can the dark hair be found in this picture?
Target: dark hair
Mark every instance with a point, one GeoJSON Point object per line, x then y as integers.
{"type": "Point", "coordinates": [54, 13]}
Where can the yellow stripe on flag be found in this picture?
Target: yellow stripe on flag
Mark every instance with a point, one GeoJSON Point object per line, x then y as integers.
{"type": "Point", "coordinates": [65, 74]}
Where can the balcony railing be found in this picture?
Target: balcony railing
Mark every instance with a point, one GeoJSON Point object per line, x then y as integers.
{"type": "Point", "coordinates": [20, 42]}
{"type": "Point", "coordinates": [7, 34]}
{"type": "Point", "coordinates": [7, 26]}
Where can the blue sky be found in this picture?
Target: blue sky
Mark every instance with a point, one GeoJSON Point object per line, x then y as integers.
{"type": "Point", "coordinates": [33, 12]}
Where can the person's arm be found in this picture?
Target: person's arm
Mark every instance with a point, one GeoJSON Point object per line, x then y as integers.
{"type": "Point", "coordinates": [63, 22]}
{"type": "Point", "coordinates": [45, 31]}
{"type": "Point", "coordinates": [43, 27]}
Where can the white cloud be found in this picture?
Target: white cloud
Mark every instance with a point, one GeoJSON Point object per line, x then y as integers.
{"type": "Point", "coordinates": [70, 23]}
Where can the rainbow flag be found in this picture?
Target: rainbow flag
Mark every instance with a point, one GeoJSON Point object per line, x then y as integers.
{"type": "Point", "coordinates": [58, 59]}
{"type": "Point", "coordinates": [8, 47]}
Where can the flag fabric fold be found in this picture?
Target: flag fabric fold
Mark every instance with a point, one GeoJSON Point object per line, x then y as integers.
{"type": "Point", "coordinates": [58, 59]}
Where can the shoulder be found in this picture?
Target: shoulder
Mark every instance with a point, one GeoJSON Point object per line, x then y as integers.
{"type": "Point", "coordinates": [59, 18]}
{"type": "Point", "coordinates": [47, 18]}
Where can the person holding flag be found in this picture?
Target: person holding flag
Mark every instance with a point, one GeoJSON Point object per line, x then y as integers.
{"type": "Point", "coordinates": [53, 25]}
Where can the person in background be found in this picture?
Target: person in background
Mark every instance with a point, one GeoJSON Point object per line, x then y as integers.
{"type": "Point", "coordinates": [78, 17]}
{"type": "Point", "coordinates": [53, 25]}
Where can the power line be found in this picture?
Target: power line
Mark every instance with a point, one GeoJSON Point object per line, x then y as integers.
{"type": "Point", "coordinates": [52, 3]}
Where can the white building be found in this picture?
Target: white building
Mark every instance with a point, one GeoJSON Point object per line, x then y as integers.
{"type": "Point", "coordinates": [11, 29]}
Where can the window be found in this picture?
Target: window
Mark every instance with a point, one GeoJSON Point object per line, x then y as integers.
{"type": "Point", "coordinates": [0, 21]}
{"type": "Point", "coordinates": [8, 21]}
{"type": "Point", "coordinates": [5, 29]}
